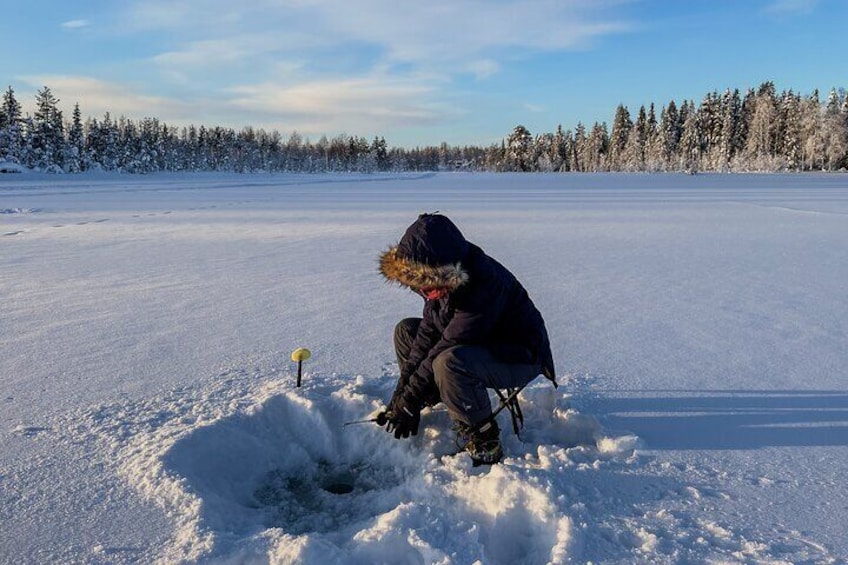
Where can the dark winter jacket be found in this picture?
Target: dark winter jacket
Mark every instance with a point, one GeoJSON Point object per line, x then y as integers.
{"type": "Point", "coordinates": [486, 306]}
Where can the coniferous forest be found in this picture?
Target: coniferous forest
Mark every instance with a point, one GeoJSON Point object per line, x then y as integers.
{"type": "Point", "coordinates": [762, 130]}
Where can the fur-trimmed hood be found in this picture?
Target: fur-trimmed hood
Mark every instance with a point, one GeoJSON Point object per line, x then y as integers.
{"type": "Point", "coordinates": [429, 254]}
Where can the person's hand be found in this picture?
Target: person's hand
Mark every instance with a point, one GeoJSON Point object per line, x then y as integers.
{"type": "Point", "coordinates": [382, 417]}
{"type": "Point", "coordinates": [403, 416]}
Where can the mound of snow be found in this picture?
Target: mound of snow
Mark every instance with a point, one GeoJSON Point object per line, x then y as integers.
{"type": "Point", "coordinates": [253, 465]}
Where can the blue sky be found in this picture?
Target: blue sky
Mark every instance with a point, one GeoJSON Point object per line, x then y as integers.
{"type": "Point", "coordinates": [417, 73]}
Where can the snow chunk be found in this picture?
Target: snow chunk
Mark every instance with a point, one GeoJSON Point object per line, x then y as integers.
{"type": "Point", "coordinates": [623, 445]}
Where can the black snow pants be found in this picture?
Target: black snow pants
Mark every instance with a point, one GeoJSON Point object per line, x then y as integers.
{"type": "Point", "coordinates": [464, 373]}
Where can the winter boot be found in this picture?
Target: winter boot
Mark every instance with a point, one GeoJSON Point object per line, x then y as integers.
{"type": "Point", "coordinates": [483, 445]}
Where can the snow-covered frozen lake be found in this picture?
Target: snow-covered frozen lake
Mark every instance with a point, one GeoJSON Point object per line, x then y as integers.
{"type": "Point", "coordinates": [148, 410]}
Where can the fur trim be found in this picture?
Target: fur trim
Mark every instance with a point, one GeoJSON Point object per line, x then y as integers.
{"type": "Point", "coordinates": [414, 275]}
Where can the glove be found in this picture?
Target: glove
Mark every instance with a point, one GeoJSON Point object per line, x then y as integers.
{"type": "Point", "coordinates": [403, 416]}
{"type": "Point", "coordinates": [382, 417]}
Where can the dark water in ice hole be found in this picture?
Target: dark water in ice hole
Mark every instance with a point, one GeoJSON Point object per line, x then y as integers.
{"type": "Point", "coordinates": [327, 496]}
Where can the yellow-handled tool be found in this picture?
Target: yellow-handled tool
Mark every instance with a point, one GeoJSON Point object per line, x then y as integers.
{"type": "Point", "coordinates": [300, 355]}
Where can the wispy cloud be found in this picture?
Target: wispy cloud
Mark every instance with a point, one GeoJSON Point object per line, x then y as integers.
{"type": "Point", "coordinates": [782, 7]}
{"type": "Point", "coordinates": [358, 106]}
{"type": "Point", "coordinates": [451, 32]}
{"type": "Point", "coordinates": [483, 68]}
{"type": "Point", "coordinates": [99, 97]}
{"type": "Point", "coordinates": [359, 65]}
{"type": "Point", "coordinates": [75, 24]}
{"type": "Point", "coordinates": [452, 35]}
{"type": "Point", "coordinates": [353, 105]}
{"type": "Point", "coordinates": [323, 66]}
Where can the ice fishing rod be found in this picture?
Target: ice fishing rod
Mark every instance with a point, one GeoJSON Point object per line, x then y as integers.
{"type": "Point", "coordinates": [380, 419]}
{"type": "Point", "coordinates": [505, 401]}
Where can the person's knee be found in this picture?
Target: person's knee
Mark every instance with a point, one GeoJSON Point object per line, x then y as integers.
{"type": "Point", "coordinates": [450, 364]}
{"type": "Point", "coordinates": [405, 331]}
{"type": "Point", "coordinates": [441, 366]}
{"type": "Point", "coordinates": [406, 328]}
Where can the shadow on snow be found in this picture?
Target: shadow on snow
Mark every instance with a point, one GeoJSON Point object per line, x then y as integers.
{"type": "Point", "coordinates": [742, 419]}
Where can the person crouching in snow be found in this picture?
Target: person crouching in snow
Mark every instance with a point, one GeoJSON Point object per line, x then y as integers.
{"type": "Point", "coordinates": [479, 330]}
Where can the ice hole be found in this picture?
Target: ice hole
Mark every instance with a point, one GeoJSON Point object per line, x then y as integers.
{"type": "Point", "coordinates": [327, 496]}
{"type": "Point", "coordinates": [291, 464]}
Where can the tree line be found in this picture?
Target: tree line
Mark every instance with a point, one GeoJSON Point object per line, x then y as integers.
{"type": "Point", "coordinates": [762, 130]}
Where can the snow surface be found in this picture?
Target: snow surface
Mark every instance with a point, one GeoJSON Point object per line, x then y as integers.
{"type": "Point", "coordinates": [149, 411]}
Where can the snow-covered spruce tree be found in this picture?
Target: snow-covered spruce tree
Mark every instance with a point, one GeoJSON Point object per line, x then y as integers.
{"type": "Point", "coordinates": [11, 135]}
{"type": "Point", "coordinates": [619, 137]}
{"type": "Point", "coordinates": [655, 143]}
{"type": "Point", "coordinates": [689, 148]}
{"type": "Point", "coordinates": [789, 130]}
{"type": "Point", "coordinates": [843, 110]}
{"type": "Point", "coordinates": [102, 143]}
{"type": "Point", "coordinates": [668, 137]}
{"type": "Point", "coordinates": [140, 146]}
{"type": "Point", "coordinates": [129, 146]}
{"type": "Point", "coordinates": [649, 160]}
{"type": "Point", "coordinates": [398, 161]}
{"type": "Point", "coordinates": [835, 132]}
{"type": "Point", "coordinates": [75, 160]}
{"type": "Point", "coordinates": [495, 157]}
{"type": "Point", "coordinates": [578, 149]}
{"type": "Point", "coordinates": [633, 157]}
{"type": "Point", "coordinates": [4, 119]}
{"type": "Point", "coordinates": [380, 149]}
{"type": "Point", "coordinates": [543, 148]}
{"type": "Point", "coordinates": [710, 123]}
{"type": "Point", "coordinates": [362, 160]}
{"type": "Point", "coordinates": [559, 150]}
{"type": "Point", "coordinates": [519, 147]}
{"type": "Point", "coordinates": [596, 150]}
{"type": "Point", "coordinates": [272, 151]}
{"type": "Point", "coordinates": [731, 142]}
{"type": "Point", "coordinates": [762, 133]}
{"type": "Point", "coordinates": [813, 141]}
{"type": "Point", "coordinates": [45, 139]}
